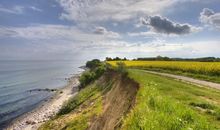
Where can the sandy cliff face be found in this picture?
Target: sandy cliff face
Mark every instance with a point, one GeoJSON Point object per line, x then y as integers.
{"type": "Point", "coordinates": [116, 103]}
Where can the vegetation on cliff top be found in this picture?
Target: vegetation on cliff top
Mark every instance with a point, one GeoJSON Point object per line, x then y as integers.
{"type": "Point", "coordinates": [108, 100]}
{"type": "Point", "coordinates": [209, 71]}
{"type": "Point", "coordinates": [95, 69]}
{"type": "Point", "coordinates": [99, 105]}
{"type": "Point", "coordinates": [164, 103]}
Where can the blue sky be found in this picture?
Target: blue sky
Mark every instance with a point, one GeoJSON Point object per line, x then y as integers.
{"type": "Point", "coordinates": [75, 29]}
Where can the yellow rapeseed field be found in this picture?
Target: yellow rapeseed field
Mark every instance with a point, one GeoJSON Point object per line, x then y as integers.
{"type": "Point", "coordinates": [212, 68]}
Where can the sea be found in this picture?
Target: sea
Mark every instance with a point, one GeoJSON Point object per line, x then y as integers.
{"type": "Point", "coordinates": [17, 78]}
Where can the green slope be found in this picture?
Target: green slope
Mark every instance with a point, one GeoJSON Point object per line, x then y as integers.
{"type": "Point", "coordinates": [161, 104]}
{"type": "Point", "coordinates": [167, 104]}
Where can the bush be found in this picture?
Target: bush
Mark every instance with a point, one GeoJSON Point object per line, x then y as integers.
{"type": "Point", "coordinates": [121, 68]}
{"type": "Point", "coordinates": [99, 71]}
{"type": "Point", "coordinates": [202, 105]}
{"type": "Point", "coordinates": [93, 63]}
{"type": "Point", "coordinates": [86, 78]}
{"type": "Point", "coordinates": [91, 75]}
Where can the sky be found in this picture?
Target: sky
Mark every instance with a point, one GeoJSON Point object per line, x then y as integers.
{"type": "Point", "coordinates": [87, 29]}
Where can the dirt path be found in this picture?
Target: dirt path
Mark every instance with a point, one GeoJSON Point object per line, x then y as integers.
{"type": "Point", "coordinates": [197, 82]}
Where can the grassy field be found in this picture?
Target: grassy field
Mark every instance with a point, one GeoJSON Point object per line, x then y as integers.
{"type": "Point", "coordinates": [167, 104]}
{"type": "Point", "coordinates": [209, 71]}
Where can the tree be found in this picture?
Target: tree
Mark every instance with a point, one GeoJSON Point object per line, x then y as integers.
{"type": "Point", "coordinates": [108, 59]}
{"type": "Point", "coordinates": [93, 63]}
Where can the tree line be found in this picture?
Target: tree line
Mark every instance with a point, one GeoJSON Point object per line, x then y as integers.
{"type": "Point", "coordinates": [164, 58]}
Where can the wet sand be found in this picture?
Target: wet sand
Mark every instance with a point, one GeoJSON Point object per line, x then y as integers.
{"type": "Point", "coordinates": [34, 119]}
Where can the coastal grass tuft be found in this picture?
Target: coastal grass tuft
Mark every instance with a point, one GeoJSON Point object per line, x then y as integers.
{"type": "Point", "coordinates": [77, 112]}
{"type": "Point", "coordinates": [80, 122]}
{"type": "Point", "coordinates": [86, 104]}
{"type": "Point", "coordinates": [166, 104]}
{"type": "Point", "coordinates": [202, 105]}
{"type": "Point", "coordinates": [80, 98]}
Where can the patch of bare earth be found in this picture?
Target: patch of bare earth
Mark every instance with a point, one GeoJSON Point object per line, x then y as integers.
{"type": "Point", "coordinates": [116, 103]}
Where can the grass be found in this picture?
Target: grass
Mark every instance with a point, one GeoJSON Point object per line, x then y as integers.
{"type": "Point", "coordinates": [80, 98]}
{"type": "Point", "coordinates": [77, 112]}
{"type": "Point", "coordinates": [162, 103]}
{"type": "Point", "coordinates": [167, 104]}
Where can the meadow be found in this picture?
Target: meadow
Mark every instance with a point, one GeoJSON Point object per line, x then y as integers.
{"type": "Point", "coordinates": [164, 103]}
{"type": "Point", "coordinates": [209, 71]}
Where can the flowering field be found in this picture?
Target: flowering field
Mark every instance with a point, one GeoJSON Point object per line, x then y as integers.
{"type": "Point", "coordinates": [209, 68]}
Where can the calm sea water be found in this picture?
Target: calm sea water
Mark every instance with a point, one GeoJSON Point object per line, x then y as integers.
{"type": "Point", "coordinates": [17, 77]}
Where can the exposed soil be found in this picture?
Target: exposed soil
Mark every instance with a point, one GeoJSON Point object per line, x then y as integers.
{"type": "Point", "coordinates": [116, 103]}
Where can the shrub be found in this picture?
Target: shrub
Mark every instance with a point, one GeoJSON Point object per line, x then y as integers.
{"type": "Point", "coordinates": [91, 75]}
{"type": "Point", "coordinates": [99, 71]}
{"type": "Point", "coordinates": [202, 105]}
{"type": "Point", "coordinates": [86, 78]}
{"type": "Point", "coordinates": [121, 68]}
{"type": "Point", "coordinates": [93, 63]}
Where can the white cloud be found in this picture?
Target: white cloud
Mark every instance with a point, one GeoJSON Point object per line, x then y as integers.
{"type": "Point", "coordinates": [58, 41]}
{"type": "Point", "coordinates": [35, 9]}
{"type": "Point", "coordinates": [105, 32]}
{"type": "Point", "coordinates": [5, 32]}
{"type": "Point", "coordinates": [18, 9]}
{"type": "Point", "coordinates": [150, 34]}
{"type": "Point", "coordinates": [13, 10]}
{"type": "Point", "coordinates": [154, 48]}
{"type": "Point", "coordinates": [56, 32]}
{"type": "Point", "coordinates": [209, 17]}
{"type": "Point", "coordinates": [118, 10]}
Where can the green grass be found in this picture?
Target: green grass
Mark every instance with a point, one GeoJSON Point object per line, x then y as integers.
{"type": "Point", "coordinates": [161, 104]}
{"type": "Point", "coordinates": [80, 98]}
{"type": "Point", "coordinates": [167, 104]}
{"type": "Point", "coordinates": [77, 112]}
{"type": "Point", "coordinates": [210, 78]}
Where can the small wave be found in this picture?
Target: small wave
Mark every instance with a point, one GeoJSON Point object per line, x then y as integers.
{"type": "Point", "coordinates": [14, 101]}
{"type": "Point", "coordinates": [8, 116]}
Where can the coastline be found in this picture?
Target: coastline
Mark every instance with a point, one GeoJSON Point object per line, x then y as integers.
{"type": "Point", "coordinates": [44, 111]}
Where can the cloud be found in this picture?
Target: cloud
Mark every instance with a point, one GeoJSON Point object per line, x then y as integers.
{"type": "Point", "coordinates": [35, 9]}
{"type": "Point", "coordinates": [165, 26]}
{"type": "Point", "coordinates": [53, 40]}
{"type": "Point", "coordinates": [209, 17]}
{"type": "Point", "coordinates": [104, 31]}
{"type": "Point", "coordinates": [18, 9]}
{"type": "Point", "coordinates": [5, 32]}
{"type": "Point", "coordinates": [103, 10]}
{"type": "Point", "coordinates": [147, 34]}
{"type": "Point", "coordinates": [156, 47]}
{"type": "Point", "coordinates": [58, 32]}
{"type": "Point", "coordinates": [13, 10]}
{"type": "Point", "coordinates": [100, 30]}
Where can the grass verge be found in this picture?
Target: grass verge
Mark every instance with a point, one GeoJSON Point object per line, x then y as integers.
{"type": "Point", "coordinates": [211, 78]}
{"type": "Point", "coordinates": [167, 104]}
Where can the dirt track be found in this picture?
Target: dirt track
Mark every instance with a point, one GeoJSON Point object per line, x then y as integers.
{"type": "Point", "coordinates": [188, 79]}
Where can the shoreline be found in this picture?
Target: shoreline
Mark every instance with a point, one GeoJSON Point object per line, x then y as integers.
{"type": "Point", "coordinates": [47, 109]}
